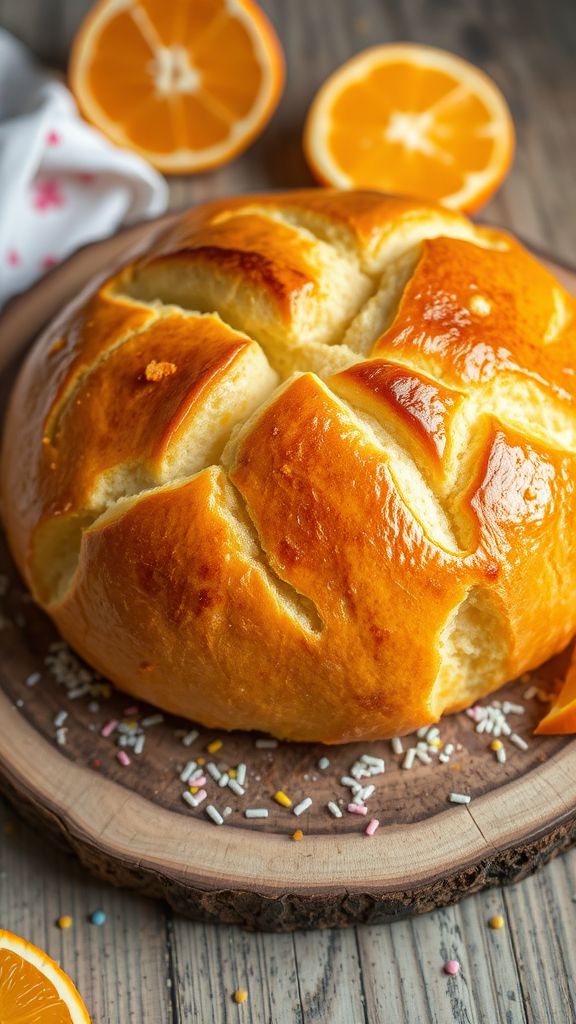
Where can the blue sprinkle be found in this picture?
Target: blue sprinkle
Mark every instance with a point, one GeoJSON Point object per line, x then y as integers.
{"type": "Point", "coordinates": [98, 917]}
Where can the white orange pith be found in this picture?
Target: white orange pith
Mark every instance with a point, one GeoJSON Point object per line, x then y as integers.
{"type": "Point", "coordinates": [187, 85]}
{"type": "Point", "coordinates": [414, 120]}
{"type": "Point", "coordinates": [33, 988]}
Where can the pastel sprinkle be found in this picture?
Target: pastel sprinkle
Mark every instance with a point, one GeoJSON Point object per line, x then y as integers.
{"type": "Point", "coordinates": [371, 827]}
{"type": "Point", "coordinates": [109, 728]}
{"type": "Point", "coordinates": [123, 758]}
{"type": "Point", "coordinates": [323, 764]}
{"type": "Point", "coordinates": [256, 812]}
{"type": "Point", "coordinates": [451, 967]}
{"type": "Point", "coordinates": [496, 922]}
{"type": "Point", "coordinates": [282, 799]}
{"type": "Point", "coordinates": [298, 835]}
{"type": "Point", "coordinates": [65, 921]}
{"type": "Point", "coordinates": [240, 995]}
{"type": "Point", "coordinates": [459, 798]}
{"type": "Point", "coordinates": [358, 809]}
{"type": "Point", "coordinates": [98, 917]}
{"type": "Point", "coordinates": [214, 815]}
{"type": "Point", "coordinates": [334, 809]}
{"type": "Point", "coordinates": [303, 806]}
{"type": "Point", "coordinates": [214, 747]}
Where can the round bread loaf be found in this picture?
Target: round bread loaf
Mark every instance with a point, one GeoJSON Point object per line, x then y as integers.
{"type": "Point", "coordinates": [306, 465]}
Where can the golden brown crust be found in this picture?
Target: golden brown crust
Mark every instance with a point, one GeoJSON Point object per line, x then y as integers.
{"type": "Point", "coordinates": [349, 555]}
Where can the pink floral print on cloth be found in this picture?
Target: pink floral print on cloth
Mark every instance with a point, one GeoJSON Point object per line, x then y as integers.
{"type": "Point", "coordinates": [62, 184]}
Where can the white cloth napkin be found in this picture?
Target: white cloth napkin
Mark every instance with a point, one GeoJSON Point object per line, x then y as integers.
{"type": "Point", "coordinates": [62, 184]}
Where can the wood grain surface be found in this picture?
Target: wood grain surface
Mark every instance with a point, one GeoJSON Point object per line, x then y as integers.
{"type": "Point", "coordinates": [149, 966]}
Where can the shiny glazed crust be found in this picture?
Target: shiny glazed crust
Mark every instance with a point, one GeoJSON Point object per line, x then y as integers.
{"type": "Point", "coordinates": [307, 466]}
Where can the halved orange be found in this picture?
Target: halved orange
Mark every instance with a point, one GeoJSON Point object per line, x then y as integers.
{"type": "Point", "coordinates": [560, 720]}
{"type": "Point", "coordinates": [33, 989]}
{"type": "Point", "coordinates": [413, 120]}
{"type": "Point", "coordinates": [188, 84]}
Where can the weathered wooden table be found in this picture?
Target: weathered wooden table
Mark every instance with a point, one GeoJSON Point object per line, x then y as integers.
{"type": "Point", "coordinates": [148, 966]}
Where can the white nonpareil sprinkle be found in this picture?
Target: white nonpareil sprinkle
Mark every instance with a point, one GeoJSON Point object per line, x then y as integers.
{"type": "Point", "coordinates": [235, 786]}
{"type": "Point", "coordinates": [79, 691]}
{"type": "Point", "coordinates": [530, 693]}
{"type": "Point", "coordinates": [263, 744]}
{"type": "Point", "coordinates": [152, 720]}
{"type": "Point", "coordinates": [139, 745]}
{"type": "Point", "coordinates": [61, 736]}
{"type": "Point", "coordinates": [347, 780]}
{"type": "Point", "coordinates": [256, 812]}
{"type": "Point", "coordinates": [423, 756]}
{"type": "Point", "coordinates": [518, 741]}
{"type": "Point", "coordinates": [396, 744]}
{"type": "Point", "coordinates": [409, 758]}
{"type": "Point", "coordinates": [422, 732]}
{"type": "Point", "coordinates": [365, 793]}
{"type": "Point", "coordinates": [373, 762]}
{"type": "Point", "coordinates": [189, 738]}
{"type": "Point", "coordinates": [187, 771]}
{"type": "Point", "coordinates": [443, 758]}
{"type": "Point", "coordinates": [227, 812]}
{"type": "Point", "coordinates": [501, 755]}
{"type": "Point", "coordinates": [213, 771]}
{"type": "Point", "coordinates": [334, 809]}
{"type": "Point", "coordinates": [241, 773]}
{"type": "Point", "coordinates": [33, 679]}
{"type": "Point", "coordinates": [432, 734]}
{"type": "Point", "coordinates": [60, 718]}
{"type": "Point", "coordinates": [302, 806]}
{"type": "Point", "coordinates": [223, 780]}
{"type": "Point", "coordinates": [188, 798]}
{"type": "Point", "coordinates": [459, 798]}
{"type": "Point", "coordinates": [448, 749]}
{"type": "Point", "coordinates": [323, 764]}
{"type": "Point", "coordinates": [512, 709]}
{"type": "Point", "coordinates": [214, 814]}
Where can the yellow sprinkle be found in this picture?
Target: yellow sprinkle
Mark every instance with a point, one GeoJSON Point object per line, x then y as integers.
{"type": "Point", "coordinates": [496, 745]}
{"type": "Point", "coordinates": [193, 789]}
{"type": "Point", "coordinates": [240, 995]}
{"type": "Point", "coordinates": [65, 921]}
{"type": "Point", "coordinates": [201, 761]}
{"type": "Point", "coordinates": [282, 799]}
{"type": "Point", "coordinates": [298, 835]}
{"type": "Point", "coordinates": [435, 743]}
{"type": "Point", "coordinates": [130, 723]}
{"type": "Point", "coordinates": [213, 747]}
{"type": "Point", "coordinates": [497, 921]}
{"type": "Point", "coordinates": [232, 773]}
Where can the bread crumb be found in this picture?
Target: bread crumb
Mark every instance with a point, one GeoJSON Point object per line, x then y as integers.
{"type": "Point", "coordinates": [156, 371]}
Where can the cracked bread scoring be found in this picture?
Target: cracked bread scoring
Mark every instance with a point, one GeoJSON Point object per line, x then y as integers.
{"type": "Point", "coordinates": [311, 459]}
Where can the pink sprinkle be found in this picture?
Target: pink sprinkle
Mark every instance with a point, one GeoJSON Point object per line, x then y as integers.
{"type": "Point", "coordinates": [199, 797]}
{"type": "Point", "coordinates": [474, 713]}
{"type": "Point", "coordinates": [132, 710]}
{"type": "Point", "coordinates": [451, 967]}
{"type": "Point", "coordinates": [13, 258]}
{"type": "Point", "coordinates": [357, 808]}
{"type": "Point", "coordinates": [47, 194]}
{"type": "Point", "coordinates": [199, 782]}
{"type": "Point", "coordinates": [109, 728]}
{"type": "Point", "coordinates": [371, 827]}
{"type": "Point", "coordinates": [48, 262]}
{"type": "Point", "coordinates": [53, 138]}
{"type": "Point", "coordinates": [122, 756]}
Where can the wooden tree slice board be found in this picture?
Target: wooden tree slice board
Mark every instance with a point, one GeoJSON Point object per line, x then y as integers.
{"type": "Point", "coordinates": [130, 825]}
